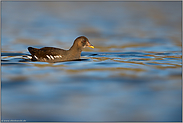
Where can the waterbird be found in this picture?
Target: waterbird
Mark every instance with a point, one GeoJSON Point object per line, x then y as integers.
{"type": "Point", "coordinates": [52, 54]}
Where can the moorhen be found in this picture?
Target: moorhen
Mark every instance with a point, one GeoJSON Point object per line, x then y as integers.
{"type": "Point", "coordinates": [52, 54]}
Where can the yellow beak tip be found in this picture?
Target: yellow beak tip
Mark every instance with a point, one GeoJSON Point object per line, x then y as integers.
{"type": "Point", "coordinates": [91, 46]}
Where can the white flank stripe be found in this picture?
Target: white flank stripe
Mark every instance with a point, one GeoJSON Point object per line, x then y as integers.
{"type": "Point", "coordinates": [58, 56]}
{"type": "Point", "coordinates": [48, 56]}
{"type": "Point", "coordinates": [51, 56]}
{"type": "Point", "coordinates": [30, 57]}
{"type": "Point", "coordinates": [35, 57]}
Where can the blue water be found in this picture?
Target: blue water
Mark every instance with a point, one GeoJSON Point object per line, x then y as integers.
{"type": "Point", "coordinates": [133, 73]}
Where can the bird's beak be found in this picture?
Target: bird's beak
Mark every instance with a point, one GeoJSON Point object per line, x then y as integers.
{"type": "Point", "coordinates": [90, 45]}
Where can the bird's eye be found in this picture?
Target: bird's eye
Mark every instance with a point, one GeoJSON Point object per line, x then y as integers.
{"type": "Point", "coordinates": [84, 42]}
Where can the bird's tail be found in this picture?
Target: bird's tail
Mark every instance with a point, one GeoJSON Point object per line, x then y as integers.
{"type": "Point", "coordinates": [32, 50]}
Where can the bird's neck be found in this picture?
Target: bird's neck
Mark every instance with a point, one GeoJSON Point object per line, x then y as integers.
{"type": "Point", "coordinates": [75, 51]}
{"type": "Point", "coordinates": [75, 48]}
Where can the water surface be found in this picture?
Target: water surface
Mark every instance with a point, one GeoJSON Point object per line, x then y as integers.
{"type": "Point", "coordinates": [133, 74]}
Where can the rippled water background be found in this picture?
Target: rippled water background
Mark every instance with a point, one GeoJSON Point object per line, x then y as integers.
{"type": "Point", "coordinates": [133, 74]}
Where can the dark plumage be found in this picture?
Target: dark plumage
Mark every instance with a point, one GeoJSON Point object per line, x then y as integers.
{"type": "Point", "coordinates": [51, 54]}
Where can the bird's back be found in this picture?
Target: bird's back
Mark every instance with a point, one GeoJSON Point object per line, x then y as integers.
{"type": "Point", "coordinates": [50, 54]}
